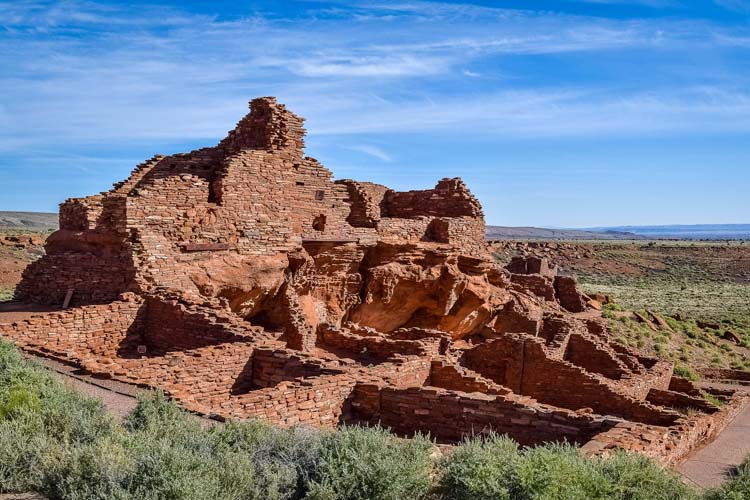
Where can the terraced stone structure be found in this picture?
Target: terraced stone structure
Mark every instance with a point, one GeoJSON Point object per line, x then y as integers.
{"type": "Point", "coordinates": [246, 282]}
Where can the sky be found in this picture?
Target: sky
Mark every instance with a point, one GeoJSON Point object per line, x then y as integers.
{"type": "Point", "coordinates": [555, 113]}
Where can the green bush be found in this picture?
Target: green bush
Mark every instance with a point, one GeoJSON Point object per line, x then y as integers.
{"type": "Point", "coordinates": [39, 420]}
{"type": "Point", "coordinates": [64, 445]}
{"type": "Point", "coordinates": [559, 472]}
{"type": "Point", "coordinates": [481, 469]}
{"type": "Point", "coordinates": [635, 477]}
{"type": "Point", "coordinates": [358, 463]}
{"type": "Point", "coordinates": [686, 372]}
{"type": "Point", "coordinates": [495, 468]}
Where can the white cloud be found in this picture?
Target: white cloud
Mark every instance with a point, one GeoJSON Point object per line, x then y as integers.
{"type": "Point", "coordinates": [371, 150]}
{"type": "Point", "coordinates": [105, 74]}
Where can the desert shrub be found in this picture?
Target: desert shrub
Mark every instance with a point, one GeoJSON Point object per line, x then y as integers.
{"type": "Point", "coordinates": [370, 463]}
{"type": "Point", "coordinates": [558, 471]}
{"type": "Point", "coordinates": [24, 451]}
{"type": "Point", "coordinates": [39, 417]}
{"type": "Point", "coordinates": [17, 399]}
{"type": "Point", "coordinates": [481, 469]}
{"type": "Point", "coordinates": [635, 477]}
{"type": "Point", "coordinates": [281, 460]}
{"type": "Point", "coordinates": [737, 488]}
{"type": "Point", "coordinates": [686, 372]}
{"type": "Point", "coordinates": [496, 468]}
{"type": "Point", "coordinates": [96, 471]}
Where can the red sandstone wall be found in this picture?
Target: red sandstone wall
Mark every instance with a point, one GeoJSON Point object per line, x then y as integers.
{"type": "Point", "coordinates": [594, 357]}
{"type": "Point", "coordinates": [528, 371]}
{"type": "Point", "coordinates": [94, 278]}
{"type": "Point", "coordinates": [449, 198]}
{"type": "Point", "coordinates": [452, 416]}
{"type": "Point", "coordinates": [171, 326]}
{"type": "Point", "coordinates": [449, 376]}
{"type": "Point", "coordinates": [94, 330]}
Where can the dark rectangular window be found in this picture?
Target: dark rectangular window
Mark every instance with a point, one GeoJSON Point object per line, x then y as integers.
{"type": "Point", "coordinates": [319, 195]}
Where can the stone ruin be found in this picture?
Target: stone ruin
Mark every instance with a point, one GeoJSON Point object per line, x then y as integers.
{"type": "Point", "coordinates": [245, 282]}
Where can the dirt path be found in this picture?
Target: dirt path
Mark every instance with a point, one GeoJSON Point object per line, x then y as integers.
{"type": "Point", "coordinates": [117, 397]}
{"type": "Point", "coordinates": [708, 467]}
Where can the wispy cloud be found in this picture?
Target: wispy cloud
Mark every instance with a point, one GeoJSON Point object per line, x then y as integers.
{"type": "Point", "coordinates": [374, 151]}
{"type": "Point", "coordinates": [83, 72]}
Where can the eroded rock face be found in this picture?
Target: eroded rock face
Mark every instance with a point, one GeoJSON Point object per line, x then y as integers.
{"type": "Point", "coordinates": [246, 284]}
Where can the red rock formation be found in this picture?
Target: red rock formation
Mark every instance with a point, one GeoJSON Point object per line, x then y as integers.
{"type": "Point", "coordinates": [247, 283]}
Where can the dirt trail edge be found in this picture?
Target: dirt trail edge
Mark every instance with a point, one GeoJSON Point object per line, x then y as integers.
{"type": "Point", "coordinates": [708, 467]}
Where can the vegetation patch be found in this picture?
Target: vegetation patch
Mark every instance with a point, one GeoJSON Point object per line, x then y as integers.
{"type": "Point", "coordinates": [65, 445]}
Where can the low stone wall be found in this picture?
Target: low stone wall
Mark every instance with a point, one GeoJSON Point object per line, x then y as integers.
{"type": "Point", "coordinates": [87, 331]}
{"type": "Point", "coordinates": [452, 415]}
{"type": "Point", "coordinates": [273, 366]}
{"type": "Point", "coordinates": [448, 376]}
{"type": "Point", "coordinates": [724, 374]}
{"type": "Point", "coordinates": [171, 326]}
{"type": "Point", "coordinates": [673, 399]}
{"type": "Point", "coordinates": [376, 346]}
{"type": "Point", "coordinates": [320, 401]}
{"type": "Point", "coordinates": [668, 446]}
{"type": "Point", "coordinates": [520, 363]}
{"type": "Point", "coordinates": [594, 357]}
{"type": "Point", "coordinates": [94, 279]}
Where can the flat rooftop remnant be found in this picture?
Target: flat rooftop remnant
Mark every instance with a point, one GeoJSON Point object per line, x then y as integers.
{"type": "Point", "coordinates": [246, 282]}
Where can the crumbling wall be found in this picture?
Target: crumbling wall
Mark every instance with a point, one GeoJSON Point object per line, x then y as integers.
{"type": "Point", "coordinates": [594, 357]}
{"type": "Point", "coordinates": [444, 415]}
{"type": "Point", "coordinates": [365, 199]}
{"type": "Point", "coordinates": [93, 277]}
{"type": "Point", "coordinates": [455, 378]}
{"type": "Point", "coordinates": [86, 331]}
{"type": "Point", "coordinates": [449, 198]}
{"type": "Point", "coordinates": [272, 366]}
{"type": "Point", "coordinates": [529, 370]}
{"type": "Point", "coordinates": [173, 326]}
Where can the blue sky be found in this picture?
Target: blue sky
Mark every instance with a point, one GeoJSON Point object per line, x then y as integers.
{"type": "Point", "coordinates": [555, 113]}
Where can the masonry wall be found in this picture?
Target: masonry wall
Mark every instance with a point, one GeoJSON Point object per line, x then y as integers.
{"type": "Point", "coordinates": [80, 214]}
{"type": "Point", "coordinates": [364, 199]}
{"type": "Point", "coordinates": [529, 371]}
{"type": "Point", "coordinates": [449, 376]}
{"type": "Point", "coordinates": [380, 348]}
{"type": "Point", "coordinates": [94, 279]}
{"type": "Point", "coordinates": [273, 366]}
{"type": "Point", "coordinates": [86, 331]}
{"type": "Point", "coordinates": [449, 198]}
{"type": "Point", "coordinates": [594, 357]}
{"type": "Point", "coordinates": [172, 326]}
{"type": "Point", "coordinates": [725, 374]}
{"type": "Point", "coordinates": [253, 194]}
{"type": "Point", "coordinates": [451, 416]}
{"type": "Point", "coordinates": [320, 401]}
